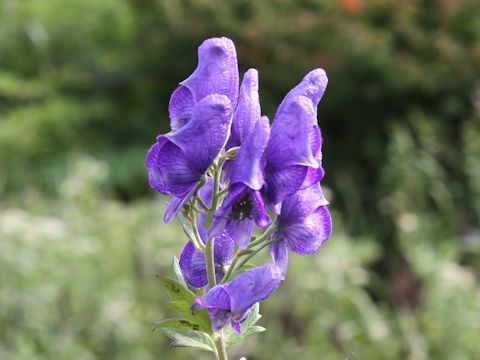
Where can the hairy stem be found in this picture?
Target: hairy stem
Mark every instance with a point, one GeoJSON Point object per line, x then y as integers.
{"type": "Point", "coordinates": [221, 348]}
{"type": "Point", "coordinates": [197, 240]}
{"type": "Point", "coordinates": [216, 185]}
{"type": "Point", "coordinates": [270, 230]}
{"type": "Point", "coordinates": [237, 256]}
{"type": "Point", "coordinates": [255, 252]}
{"type": "Point", "coordinates": [210, 259]}
{"type": "Point", "coordinates": [248, 251]}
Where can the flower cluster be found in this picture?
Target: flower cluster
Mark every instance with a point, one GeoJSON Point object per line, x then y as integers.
{"type": "Point", "coordinates": [229, 171]}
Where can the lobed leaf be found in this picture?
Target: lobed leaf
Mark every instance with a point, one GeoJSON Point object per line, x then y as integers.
{"type": "Point", "coordinates": [181, 324]}
{"type": "Point", "coordinates": [189, 338]}
{"type": "Point", "coordinates": [182, 300]}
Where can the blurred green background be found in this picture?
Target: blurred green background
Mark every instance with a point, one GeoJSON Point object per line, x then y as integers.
{"type": "Point", "coordinates": [84, 88]}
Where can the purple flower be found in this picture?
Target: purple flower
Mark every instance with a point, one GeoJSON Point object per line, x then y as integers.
{"type": "Point", "coordinates": [294, 154]}
{"type": "Point", "coordinates": [232, 301]}
{"type": "Point", "coordinates": [216, 73]}
{"type": "Point", "coordinates": [193, 265]}
{"type": "Point", "coordinates": [243, 206]}
{"type": "Point", "coordinates": [179, 159]}
{"type": "Point", "coordinates": [304, 225]}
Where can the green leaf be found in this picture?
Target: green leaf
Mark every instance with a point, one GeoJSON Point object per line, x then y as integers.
{"type": "Point", "coordinates": [248, 327]}
{"type": "Point", "coordinates": [175, 323]}
{"type": "Point", "coordinates": [178, 273]}
{"type": "Point", "coordinates": [182, 300]}
{"type": "Point", "coordinates": [176, 290]}
{"type": "Point", "coordinates": [189, 338]}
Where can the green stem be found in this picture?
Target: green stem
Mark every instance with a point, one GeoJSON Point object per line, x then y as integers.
{"type": "Point", "coordinates": [202, 204]}
{"type": "Point", "coordinates": [223, 191]}
{"type": "Point", "coordinates": [219, 340]}
{"type": "Point", "coordinates": [209, 258]}
{"type": "Point", "coordinates": [216, 184]}
{"type": "Point", "coordinates": [249, 250]}
{"type": "Point", "coordinates": [255, 252]}
{"type": "Point", "coordinates": [209, 255]}
{"type": "Point", "coordinates": [237, 256]}
{"type": "Point", "coordinates": [197, 240]}
{"type": "Point", "coordinates": [270, 230]}
{"type": "Point", "coordinates": [221, 348]}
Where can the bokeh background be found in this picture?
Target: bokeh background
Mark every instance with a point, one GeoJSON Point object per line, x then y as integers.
{"type": "Point", "coordinates": [84, 88]}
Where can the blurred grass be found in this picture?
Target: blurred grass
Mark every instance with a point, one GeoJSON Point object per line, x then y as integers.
{"type": "Point", "coordinates": [77, 281]}
{"type": "Point", "coordinates": [84, 88]}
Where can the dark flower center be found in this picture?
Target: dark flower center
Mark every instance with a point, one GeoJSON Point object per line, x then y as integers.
{"type": "Point", "coordinates": [242, 209]}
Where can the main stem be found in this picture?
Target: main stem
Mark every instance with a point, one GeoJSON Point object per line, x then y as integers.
{"type": "Point", "coordinates": [210, 262]}
{"type": "Point", "coordinates": [219, 340]}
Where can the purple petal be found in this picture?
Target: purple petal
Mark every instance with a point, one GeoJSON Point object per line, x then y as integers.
{"type": "Point", "coordinates": [262, 219]}
{"type": "Point", "coordinates": [248, 110]}
{"type": "Point", "coordinates": [284, 181]}
{"type": "Point", "coordinates": [295, 139]}
{"type": "Point", "coordinates": [168, 169]}
{"type": "Point", "coordinates": [219, 318]}
{"type": "Point", "coordinates": [237, 327]}
{"type": "Point", "coordinates": [216, 73]}
{"type": "Point", "coordinates": [235, 193]}
{"type": "Point", "coordinates": [301, 204]}
{"type": "Point", "coordinates": [242, 231]}
{"type": "Point", "coordinates": [224, 219]}
{"type": "Point", "coordinates": [216, 298]}
{"type": "Point", "coordinates": [175, 205]}
{"type": "Point", "coordinates": [291, 136]}
{"type": "Point", "coordinates": [203, 137]}
{"type": "Point", "coordinates": [238, 296]}
{"type": "Point", "coordinates": [193, 266]}
{"type": "Point", "coordinates": [306, 237]}
{"type": "Point", "coordinates": [279, 253]}
{"type": "Point", "coordinates": [179, 159]}
{"type": "Point", "coordinates": [224, 247]}
{"type": "Point", "coordinates": [312, 86]}
{"type": "Point", "coordinates": [252, 286]}
{"type": "Point", "coordinates": [180, 107]}
{"type": "Point", "coordinates": [218, 226]}
{"type": "Point", "coordinates": [315, 174]}
{"type": "Point", "coordinates": [248, 165]}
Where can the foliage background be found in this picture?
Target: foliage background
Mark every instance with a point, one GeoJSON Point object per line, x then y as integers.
{"type": "Point", "coordinates": [84, 88]}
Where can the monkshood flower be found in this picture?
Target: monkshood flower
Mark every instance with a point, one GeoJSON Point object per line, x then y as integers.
{"type": "Point", "coordinates": [304, 224]}
{"type": "Point", "coordinates": [216, 73]}
{"type": "Point", "coordinates": [231, 302]}
{"type": "Point", "coordinates": [179, 159]}
{"type": "Point", "coordinates": [223, 165]}
{"type": "Point", "coordinates": [294, 151]}
{"type": "Point", "coordinates": [243, 206]}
